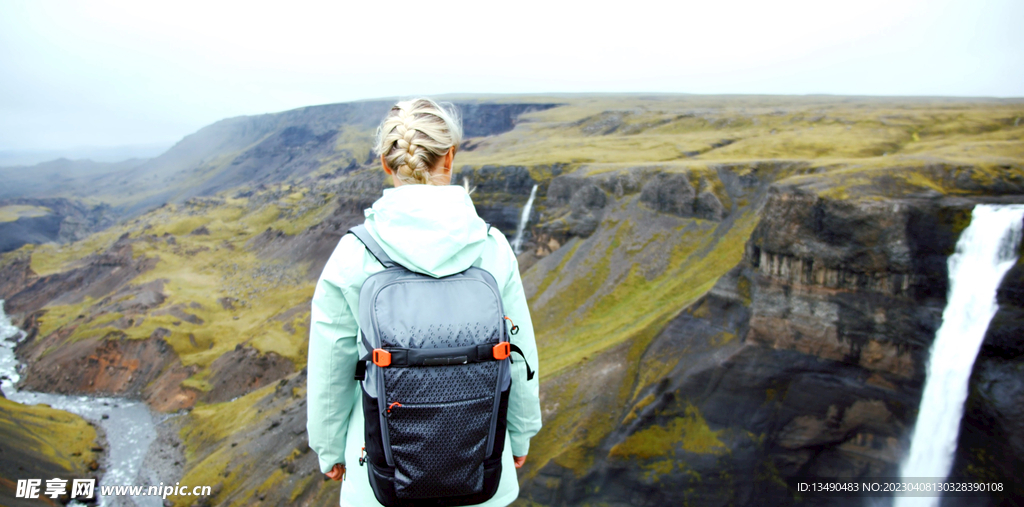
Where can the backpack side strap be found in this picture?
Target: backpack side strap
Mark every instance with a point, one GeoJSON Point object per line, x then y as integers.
{"type": "Point", "coordinates": [529, 371]}
{"type": "Point", "coordinates": [372, 246]}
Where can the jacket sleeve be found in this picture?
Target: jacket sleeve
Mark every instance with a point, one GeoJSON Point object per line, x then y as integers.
{"type": "Point", "coordinates": [331, 365]}
{"type": "Point", "coordinates": [524, 418]}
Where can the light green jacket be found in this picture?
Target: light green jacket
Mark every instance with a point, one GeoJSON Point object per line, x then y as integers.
{"type": "Point", "coordinates": [433, 230]}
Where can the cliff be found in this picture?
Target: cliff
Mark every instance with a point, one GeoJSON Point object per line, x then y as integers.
{"type": "Point", "coordinates": [806, 357]}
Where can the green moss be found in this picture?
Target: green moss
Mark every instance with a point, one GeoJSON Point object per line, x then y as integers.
{"type": "Point", "coordinates": [199, 381]}
{"type": "Point", "coordinates": [205, 433]}
{"type": "Point", "coordinates": [689, 433]}
{"type": "Point", "coordinates": [543, 173]}
{"type": "Point", "coordinates": [60, 316]}
{"type": "Point", "coordinates": [621, 323]}
{"type": "Point", "coordinates": [637, 408]}
{"type": "Point", "coordinates": [743, 289]}
{"type": "Point", "coordinates": [52, 258]}
{"type": "Point", "coordinates": [62, 439]}
{"type": "Point", "coordinates": [301, 486]}
{"type": "Point", "coordinates": [13, 212]}
{"type": "Point", "coordinates": [722, 338]}
{"type": "Point", "coordinates": [655, 470]}
{"type": "Point", "coordinates": [209, 425]}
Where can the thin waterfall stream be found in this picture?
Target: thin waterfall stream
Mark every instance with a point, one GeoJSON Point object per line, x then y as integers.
{"type": "Point", "coordinates": [986, 250]}
{"type": "Point", "coordinates": [517, 241]}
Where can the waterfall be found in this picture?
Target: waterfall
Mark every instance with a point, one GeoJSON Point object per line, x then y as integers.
{"type": "Point", "coordinates": [986, 250]}
{"type": "Point", "coordinates": [517, 242]}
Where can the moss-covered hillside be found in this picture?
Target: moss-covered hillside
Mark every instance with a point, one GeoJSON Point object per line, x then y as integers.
{"type": "Point", "coordinates": [42, 443]}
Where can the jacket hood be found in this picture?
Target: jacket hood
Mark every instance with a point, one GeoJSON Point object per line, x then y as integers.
{"type": "Point", "coordinates": [429, 229]}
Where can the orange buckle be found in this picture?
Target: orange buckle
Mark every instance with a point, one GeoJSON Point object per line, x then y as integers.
{"type": "Point", "coordinates": [381, 357]}
{"type": "Point", "coordinates": [502, 350]}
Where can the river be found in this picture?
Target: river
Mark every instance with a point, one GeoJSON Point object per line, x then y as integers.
{"type": "Point", "coordinates": [129, 426]}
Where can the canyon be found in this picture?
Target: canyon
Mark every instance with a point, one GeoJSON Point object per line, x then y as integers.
{"type": "Point", "coordinates": [729, 292]}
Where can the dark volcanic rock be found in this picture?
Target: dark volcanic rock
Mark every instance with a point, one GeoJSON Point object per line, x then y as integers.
{"type": "Point", "coordinates": [1005, 336]}
{"type": "Point", "coordinates": [274, 444]}
{"type": "Point", "coordinates": [673, 193]}
{"type": "Point", "coordinates": [36, 230]}
{"type": "Point", "coordinates": [227, 303]}
{"type": "Point", "coordinates": [807, 359]}
{"type": "Point", "coordinates": [115, 366]}
{"type": "Point", "coordinates": [770, 413]}
{"type": "Point", "coordinates": [585, 210]}
{"type": "Point", "coordinates": [98, 276]}
{"type": "Point", "coordinates": [242, 371]}
{"type": "Point", "coordinates": [621, 183]}
{"type": "Point", "coordinates": [492, 179]}
{"type": "Point", "coordinates": [561, 190]}
{"type": "Point", "coordinates": [480, 120]}
{"type": "Point", "coordinates": [708, 207]}
{"type": "Point", "coordinates": [669, 193]}
{"type": "Point", "coordinates": [134, 299]}
{"type": "Point", "coordinates": [991, 444]}
{"type": "Point", "coordinates": [70, 221]}
{"type": "Point", "coordinates": [15, 275]}
{"type": "Point", "coordinates": [574, 207]}
{"type": "Point", "coordinates": [178, 311]}
{"type": "Point", "coordinates": [500, 194]}
{"type": "Point", "coordinates": [315, 245]}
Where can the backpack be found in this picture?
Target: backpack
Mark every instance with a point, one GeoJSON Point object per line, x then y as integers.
{"type": "Point", "coordinates": [435, 372]}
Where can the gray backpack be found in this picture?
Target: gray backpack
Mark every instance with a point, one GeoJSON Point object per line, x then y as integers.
{"type": "Point", "coordinates": [434, 365]}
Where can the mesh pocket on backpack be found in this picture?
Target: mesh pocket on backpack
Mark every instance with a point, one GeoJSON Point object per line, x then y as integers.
{"type": "Point", "coordinates": [439, 447]}
{"type": "Point", "coordinates": [441, 384]}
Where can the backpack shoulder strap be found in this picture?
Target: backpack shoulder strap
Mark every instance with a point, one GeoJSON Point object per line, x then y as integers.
{"type": "Point", "coordinates": [372, 246]}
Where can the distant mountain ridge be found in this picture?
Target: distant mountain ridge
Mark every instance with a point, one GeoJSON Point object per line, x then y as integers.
{"type": "Point", "coordinates": [102, 154]}
{"type": "Point", "coordinates": [233, 153]}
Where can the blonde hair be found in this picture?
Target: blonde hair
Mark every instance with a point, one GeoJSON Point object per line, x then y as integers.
{"type": "Point", "coordinates": [415, 135]}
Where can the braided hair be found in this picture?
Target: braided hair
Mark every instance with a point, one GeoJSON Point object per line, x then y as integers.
{"type": "Point", "coordinates": [415, 135]}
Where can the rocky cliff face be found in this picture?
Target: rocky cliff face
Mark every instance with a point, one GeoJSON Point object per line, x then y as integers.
{"type": "Point", "coordinates": [806, 359]}
{"type": "Point", "coordinates": [69, 220]}
{"type": "Point", "coordinates": [991, 443]}
{"type": "Point", "coordinates": [500, 192]}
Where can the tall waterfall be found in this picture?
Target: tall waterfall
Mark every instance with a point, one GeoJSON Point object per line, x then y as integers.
{"type": "Point", "coordinates": [986, 250]}
{"type": "Point", "coordinates": [517, 242]}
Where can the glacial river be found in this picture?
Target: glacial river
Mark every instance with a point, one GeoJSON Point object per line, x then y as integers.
{"type": "Point", "coordinates": [129, 424]}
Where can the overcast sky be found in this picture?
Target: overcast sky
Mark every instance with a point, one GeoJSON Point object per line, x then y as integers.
{"type": "Point", "coordinates": [124, 73]}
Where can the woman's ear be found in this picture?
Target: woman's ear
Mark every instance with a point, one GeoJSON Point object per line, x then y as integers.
{"type": "Point", "coordinates": [449, 158]}
{"type": "Point", "coordinates": [385, 164]}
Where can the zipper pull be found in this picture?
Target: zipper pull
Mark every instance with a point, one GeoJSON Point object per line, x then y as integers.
{"type": "Point", "coordinates": [391, 406]}
{"type": "Point", "coordinates": [514, 329]}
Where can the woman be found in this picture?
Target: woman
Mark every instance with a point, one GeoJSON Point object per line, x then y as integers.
{"type": "Point", "coordinates": [430, 226]}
